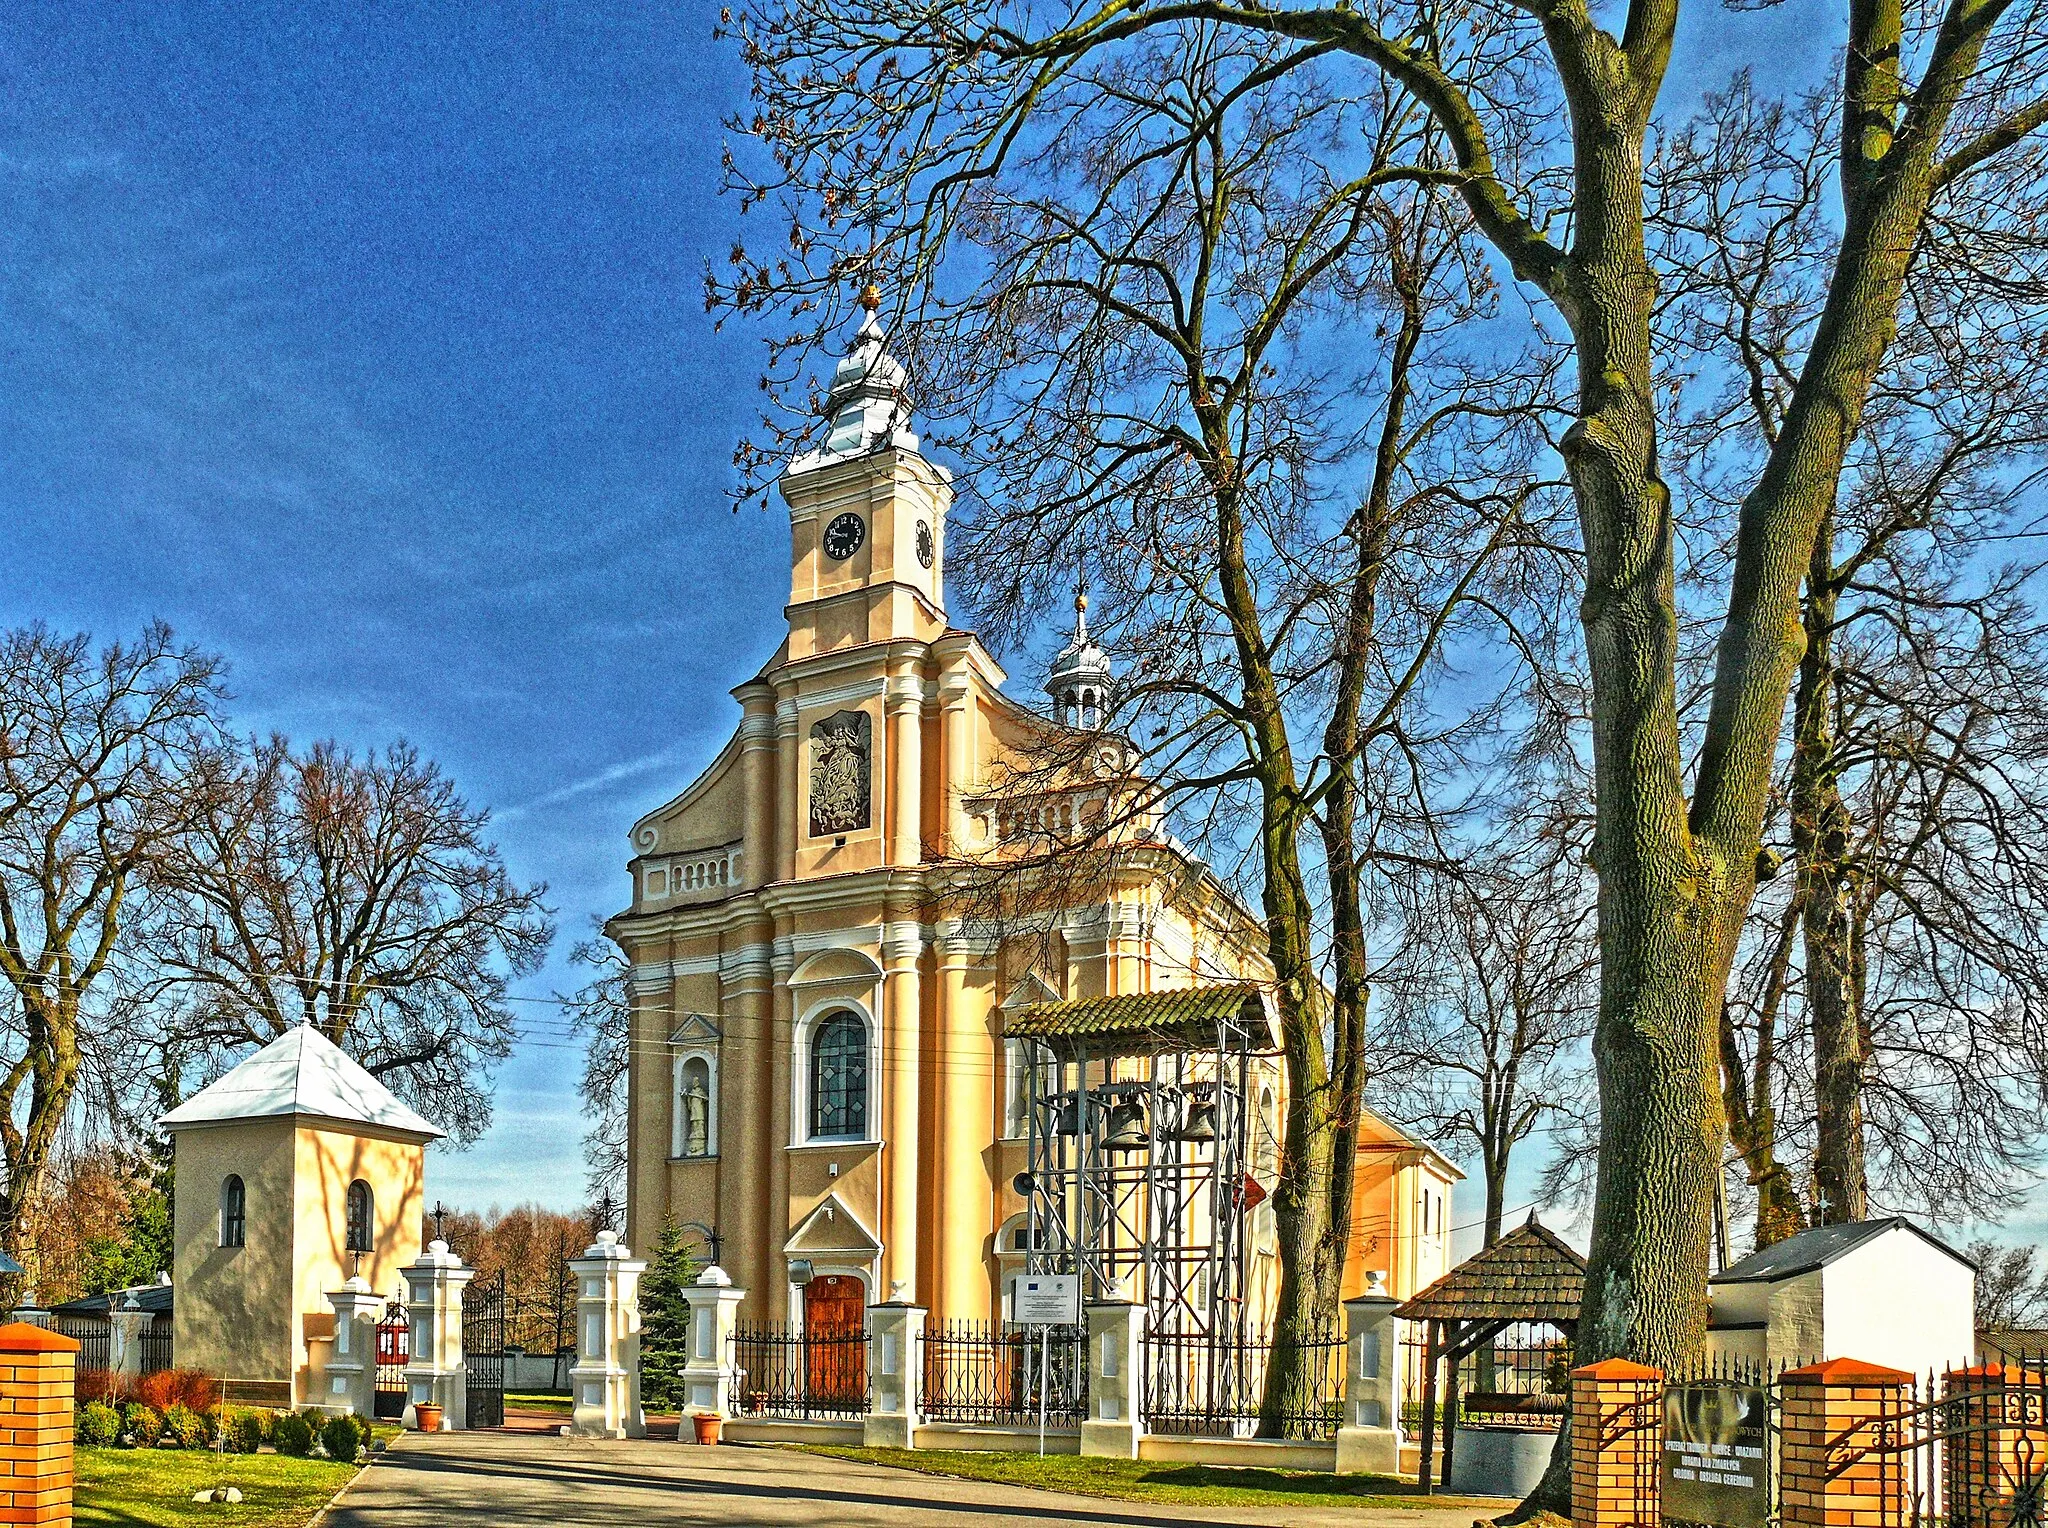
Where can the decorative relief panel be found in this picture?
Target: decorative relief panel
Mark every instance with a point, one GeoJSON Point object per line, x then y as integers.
{"type": "Point", "coordinates": [841, 773]}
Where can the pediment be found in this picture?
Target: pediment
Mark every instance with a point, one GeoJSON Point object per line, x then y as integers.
{"type": "Point", "coordinates": [1032, 988]}
{"type": "Point", "coordinates": [695, 1029]}
{"type": "Point", "coordinates": [832, 1230]}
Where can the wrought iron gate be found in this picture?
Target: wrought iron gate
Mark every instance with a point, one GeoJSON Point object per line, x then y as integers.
{"type": "Point", "coordinates": [483, 1352]}
{"type": "Point", "coordinates": [394, 1350]}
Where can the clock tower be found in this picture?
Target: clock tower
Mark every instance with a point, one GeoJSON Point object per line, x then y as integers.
{"type": "Point", "coordinates": [867, 513]}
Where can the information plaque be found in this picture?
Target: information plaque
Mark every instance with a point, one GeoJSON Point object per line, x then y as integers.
{"type": "Point", "coordinates": [1717, 1455]}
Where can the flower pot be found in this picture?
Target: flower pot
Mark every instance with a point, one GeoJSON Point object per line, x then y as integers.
{"type": "Point", "coordinates": [428, 1416]}
{"type": "Point", "coordinates": [707, 1426]}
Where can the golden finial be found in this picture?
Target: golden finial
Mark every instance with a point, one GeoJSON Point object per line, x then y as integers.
{"type": "Point", "coordinates": [1081, 602]}
{"type": "Point", "coordinates": [871, 297]}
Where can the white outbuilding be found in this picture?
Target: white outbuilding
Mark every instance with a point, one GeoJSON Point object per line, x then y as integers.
{"type": "Point", "coordinates": [1885, 1291]}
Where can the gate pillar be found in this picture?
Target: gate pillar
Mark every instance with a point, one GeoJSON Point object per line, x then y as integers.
{"type": "Point", "coordinates": [1617, 1445]}
{"type": "Point", "coordinates": [1369, 1437]}
{"type": "Point", "coordinates": [606, 1375]}
{"type": "Point", "coordinates": [1840, 1430]}
{"type": "Point", "coordinates": [895, 1375]}
{"type": "Point", "coordinates": [1114, 1420]}
{"type": "Point", "coordinates": [127, 1322]}
{"type": "Point", "coordinates": [433, 1303]}
{"type": "Point", "coordinates": [1997, 1439]}
{"type": "Point", "coordinates": [352, 1366]}
{"type": "Point", "coordinates": [708, 1374]}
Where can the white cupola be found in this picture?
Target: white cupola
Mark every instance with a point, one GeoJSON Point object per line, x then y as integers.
{"type": "Point", "coordinates": [867, 403]}
{"type": "Point", "coordinates": [1081, 681]}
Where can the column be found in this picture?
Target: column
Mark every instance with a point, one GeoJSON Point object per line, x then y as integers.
{"type": "Point", "coordinates": [966, 1076]}
{"type": "Point", "coordinates": [605, 1379]}
{"type": "Point", "coordinates": [903, 709]}
{"type": "Point", "coordinates": [710, 1379]}
{"type": "Point", "coordinates": [788, 756]}
{"type": "Point", "coordinates": [38, 1369]}
{"type": "Point", "coordinates": [773, 1290]}
{"type": "Point", "coordinates": [902, 1061]}
{"type": "Point", "coordinates": [1617, 1437]}
{"type": "Point", "coordinates": [434, 1371]}
{"type": "Point", "coordinates": [1834, 1422]}
{"type": "Point", "coordinates": [1369, 1436]}
{"type": "Point", "coordinates": [758, 782]}
{"type": "Point", "coordinates": [1114, 1422]}
{"type": "Point", "coordinates": [955, 754]}
{"type": "Point", "coordinates": [124, 1345]}
{"type": "Point", "coordinates": [747, 1143]}
{"type": "Point", "coordinates": [895, 1375]}
{"type": "Point", "coordinates": [352, 1370]}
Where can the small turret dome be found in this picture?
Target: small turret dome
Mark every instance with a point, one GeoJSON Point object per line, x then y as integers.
{"type": "Point", "coordinates": [1081, 681]}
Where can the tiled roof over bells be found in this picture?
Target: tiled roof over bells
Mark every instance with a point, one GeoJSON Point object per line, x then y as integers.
{"type": "Point", "coordinates": [301, 1072]}
{"type": "Point", "coordinates": [1184, 1015]}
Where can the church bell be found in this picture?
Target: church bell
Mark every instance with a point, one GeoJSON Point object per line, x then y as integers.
{"type": "Point", "coordinates": [1126, 1127]}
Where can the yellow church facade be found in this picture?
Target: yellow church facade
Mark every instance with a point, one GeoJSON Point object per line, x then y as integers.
{"type": "Point", "coordinates": [823, 1071]}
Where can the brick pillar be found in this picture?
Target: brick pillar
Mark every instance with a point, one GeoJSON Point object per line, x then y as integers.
{"type": "Point", "coordinates": [1833, 1470]}
{"type": "Point", "coordinates": [1996, 1437]}
{"type": "Point", "coordinates": [37, 1367]}
{"type": "Point", "coordinates": [1617, 1438]}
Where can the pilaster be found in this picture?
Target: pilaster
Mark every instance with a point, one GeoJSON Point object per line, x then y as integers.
{"type": "Point", "coordinates": [605, 1378]}
{"type": "Point", "coordinates": [435, 1373]}
{"type": "Point", "coordinates": [902, 1068]}
{"type": "Point", "coordinates": [895, 1378]}
{"type": "Point", "coordinates": [1114, 1423]}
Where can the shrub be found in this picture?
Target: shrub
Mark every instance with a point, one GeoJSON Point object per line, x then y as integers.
{"type": "Point", "coordinates": [184, 1427]}
{"type": "Point", "coordinates": [189, 1388]}
{"type": "Point", "coordinates": [141, 1424]}
{"type": "Point", "coordinates": [344, 1437]}
{"type": "Point", "coordinates": [100, 1385]}
{"type": "Point", "coordinates": [292, 1435]}
{"type": "Point", "coordinates": [247, 1426]}
{"type": "Point", "coordinates": [97, 1425]}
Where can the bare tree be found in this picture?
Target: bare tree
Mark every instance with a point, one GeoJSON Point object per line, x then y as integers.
{"type": "Point", "coordinates": [2012, 1287]}
{"type": "Point", "coordinates": [601, 1018]}
{"type": "Point", "coordinates": [100, 775]}
{"type": "Point", "coordinates": [1547, 113]}
{"type": "Point", "coordinates": [359, 895]}
{"type": "Point", "coordinates": [1485, 1017]}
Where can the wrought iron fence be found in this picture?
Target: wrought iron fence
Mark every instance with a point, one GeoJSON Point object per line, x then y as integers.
{"type": "Point", "coordinates": [800, 1374]}
{"type": "Point", "coordinates": [1197, 1383]}
{"type": "Point", "coordinates": [1000, 1375]}
{"type": "Point", "coordinates": [156, 1347]}
{"type": "Point", "coordinates": [1521, 1376]}
{"type": "Point", "coordinates": [95, 1339]}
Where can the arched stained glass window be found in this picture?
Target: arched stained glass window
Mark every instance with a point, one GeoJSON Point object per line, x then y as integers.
{"type": "Point", "coordinates": [234, 1211]}
{"type": "Point", "coordinates": [839, 1078]}
{"type": "Point", "coordinates": [359, 1216]}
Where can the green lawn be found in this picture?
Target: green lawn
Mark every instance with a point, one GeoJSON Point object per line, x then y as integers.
{"type": "Point", "coordinates": [152, 1488]}
{"type": "Point", "coordinates": [1193, 1485]}
{"type": "Point", "coordinates": [541, 1400]}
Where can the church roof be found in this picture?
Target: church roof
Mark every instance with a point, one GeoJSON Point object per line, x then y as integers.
{"type": "Point", "coordinates": [1530, 1274]}
{"type": "Point", "coordinates": [1184, 1016]}
{"type": "Point", "coordinates": [301, 1072]}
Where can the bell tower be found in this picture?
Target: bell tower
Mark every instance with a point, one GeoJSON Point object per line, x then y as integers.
{"type": "Point", "coordinates": [867, 512]}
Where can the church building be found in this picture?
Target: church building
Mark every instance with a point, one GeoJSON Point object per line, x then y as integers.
{"type": "Point", "coordinates": [861, 1090]}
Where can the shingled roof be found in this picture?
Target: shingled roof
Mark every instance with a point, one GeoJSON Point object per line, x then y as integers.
{"type": "Point", "coordinates": [1185, 1016]}
{"type": "Point", "coordinates": [1530, 1274]}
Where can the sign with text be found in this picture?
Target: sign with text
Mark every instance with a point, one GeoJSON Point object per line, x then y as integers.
{"type": "Point", "coordinates": [1717, 1456]}
{"type": "Point", "coordinates": [1047, 1299]}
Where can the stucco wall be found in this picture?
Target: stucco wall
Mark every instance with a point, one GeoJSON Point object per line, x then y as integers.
{"type": "Point", "coordinates": [1897, 1300]}
{"type": "Point", "coordinates": [233, 1308]}
{"type": "Point", "coordinates": [329, 1160]}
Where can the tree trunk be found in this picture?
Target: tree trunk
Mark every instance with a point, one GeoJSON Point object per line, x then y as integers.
{"type": "Point", "coordinates": [1750, 1101]}
{"type": "Point", "coordinates": [1820, 838]}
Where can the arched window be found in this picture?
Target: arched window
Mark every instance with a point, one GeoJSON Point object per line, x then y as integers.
{"type": "Point", "coordinates": [693, 1108]}
{"type": "Point", "coordinates": [234, 1212]}
{"type": "Point", "coordinates": [839, 1078]}
{"type": "Point", "coordinates": [359, 1216]}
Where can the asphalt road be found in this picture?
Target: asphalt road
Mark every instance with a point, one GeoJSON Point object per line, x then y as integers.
{"type": "Point", "coordinates": [529, 1480]}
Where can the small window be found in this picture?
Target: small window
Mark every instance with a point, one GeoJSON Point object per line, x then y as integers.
{"type": "Point", "coordinates": [359, 1216]}
{"type": "Point", "coordinates": [839, 1078]}
{"type": "Point", "coordinates": [234, 1212]}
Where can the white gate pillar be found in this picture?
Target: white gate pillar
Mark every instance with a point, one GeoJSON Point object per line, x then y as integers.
{"type": "Point", "coordinates": [1369, 1436]}
{"type": "Point", "coordinates": [434, 1371]}
{"type": "Point", "coordinates": [708, 1375]}
{"type": "Point", "coordinates": [606, 1376]}
{"type": "Point", "coordinates": [352, 1366]}
{"type": "Point", "coordinates": [124, 1344]}
{"type": "Point", "coordinates": [895, 1377]}
{"type": "Point", "coordinates": [1114, 1421]}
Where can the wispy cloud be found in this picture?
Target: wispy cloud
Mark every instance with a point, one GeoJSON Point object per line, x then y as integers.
{"type": "Point", "coordinates": [611, 775]}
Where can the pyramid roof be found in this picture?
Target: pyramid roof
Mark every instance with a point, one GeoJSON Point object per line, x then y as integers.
{"type": "Point", "coordinates": [301, 1072]}
{"type": "Point", "coordinates": [1530, 1274]}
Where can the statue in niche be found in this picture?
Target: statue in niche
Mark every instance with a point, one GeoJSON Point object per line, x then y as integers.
{"type": "Point", "coordinates": [840, 773]}
{"type": "Point", "coordinates": [696, 1109]}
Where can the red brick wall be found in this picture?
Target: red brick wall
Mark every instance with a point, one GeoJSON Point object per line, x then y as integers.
{"type": "Point", "coordinates": [1617, 1442]}
{"type": "Point", "coordinates": [36, 1372]}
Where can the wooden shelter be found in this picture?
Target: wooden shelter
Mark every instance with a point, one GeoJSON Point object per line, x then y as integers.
{"type": "Point", "coordinates": [1529, 1275]}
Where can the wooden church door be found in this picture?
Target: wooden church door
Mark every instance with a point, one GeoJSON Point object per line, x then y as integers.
{"type": "Point", "coordinates": [835, 1340]}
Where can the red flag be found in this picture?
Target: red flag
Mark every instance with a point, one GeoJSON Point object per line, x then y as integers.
{"type": "Point", "coordinates": [1252, 1194]}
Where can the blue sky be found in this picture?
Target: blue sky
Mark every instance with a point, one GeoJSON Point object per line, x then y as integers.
{"type": "Point", "coordinates": [367, 346]}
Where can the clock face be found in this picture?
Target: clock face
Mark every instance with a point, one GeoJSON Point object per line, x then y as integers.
{"type": "Point", "coordinates": [926, 551]}
{"type": "Point", "coordinates": [843, 537]}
